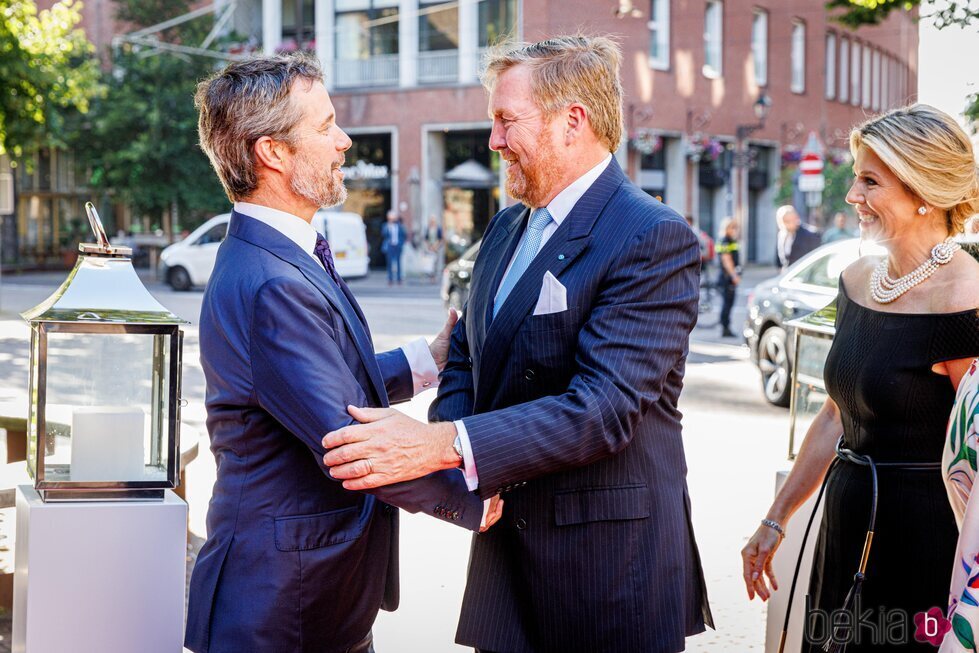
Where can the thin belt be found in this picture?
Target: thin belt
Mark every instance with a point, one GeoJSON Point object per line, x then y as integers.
{"type": "Point", "coordinates": [844, 455]}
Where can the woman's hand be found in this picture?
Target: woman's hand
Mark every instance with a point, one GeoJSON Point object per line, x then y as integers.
{"type": "Point", "coordinates": [440, 346]}
{"type": "Point", "coordinates": [757, 558]}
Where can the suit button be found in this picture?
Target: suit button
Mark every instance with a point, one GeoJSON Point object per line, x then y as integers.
{"type": "Point", "coordinates": [529, 374]}
{"type": "Point", "coordinates": [521, 524]}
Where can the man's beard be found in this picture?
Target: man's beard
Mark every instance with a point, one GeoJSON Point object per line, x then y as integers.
{"type": "Point", "coordinates": [309, 181]}
{"type": "Point", "coordinates": [532, 185]}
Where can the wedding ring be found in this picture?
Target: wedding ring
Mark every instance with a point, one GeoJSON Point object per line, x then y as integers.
{"type": "Point", "coordinates": [370, 465]}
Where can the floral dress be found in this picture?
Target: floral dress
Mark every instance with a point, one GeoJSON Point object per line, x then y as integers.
{"type": "Point", "coordinates": [959, 463]}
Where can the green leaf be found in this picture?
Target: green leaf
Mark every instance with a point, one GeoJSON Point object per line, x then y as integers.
{"type": "Point", "coordinates": [963, 632]}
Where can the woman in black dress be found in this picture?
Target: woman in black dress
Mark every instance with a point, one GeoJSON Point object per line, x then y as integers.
{"type": "Point", "coordinates": [907, 329]}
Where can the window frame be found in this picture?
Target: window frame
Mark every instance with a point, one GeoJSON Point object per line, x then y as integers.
{"type": "Point", "coordinates": [659, 34]}
{"type": "Point", "coordinates": [843, 82]}
{"type": "Point", "coordinates": [798, 84]}
{"type": "Point", "coordinates": [760, 13]}
{"type": "Point", "coordinates": [709, 70]}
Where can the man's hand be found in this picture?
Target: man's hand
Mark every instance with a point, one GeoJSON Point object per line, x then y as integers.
{"type": "Point", "coordinates": [440, 346]}
{"type": "Point", "coordinates": [388, 447]}
{"type": "Point", "coordinates": [493, 514]}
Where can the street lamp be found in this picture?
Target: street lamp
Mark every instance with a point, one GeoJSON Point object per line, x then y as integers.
{"type": "Point", "coordinates": [742, 160]}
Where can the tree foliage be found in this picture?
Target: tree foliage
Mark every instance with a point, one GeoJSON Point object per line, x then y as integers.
{"type": "Point", "coordinates": [141, 139]}
{"type": "Point", "coordinates": [47, 72]}
{"type": "Point", "coordinates": [943, 13]}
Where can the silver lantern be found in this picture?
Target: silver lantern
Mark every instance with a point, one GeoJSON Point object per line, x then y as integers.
{"type": "Point", "coordinates": [105, 367]}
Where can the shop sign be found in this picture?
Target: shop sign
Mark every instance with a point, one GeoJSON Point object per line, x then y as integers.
{"type": "Point", "coordinates": [364, 170]}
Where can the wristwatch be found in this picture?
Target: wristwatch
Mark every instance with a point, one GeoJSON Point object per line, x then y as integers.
{"type": "Point", "coordinates": [457, 447]}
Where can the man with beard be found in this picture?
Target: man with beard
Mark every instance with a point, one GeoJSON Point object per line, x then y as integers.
{"type": "Point", "coordinates": [562, 382]}
{"type": "Point", "coordinates": [293, 561]}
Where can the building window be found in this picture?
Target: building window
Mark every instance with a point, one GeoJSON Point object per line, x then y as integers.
{"type": "Point", "coordinates": [798, 57]}
{"type": "Point", "coordinates": [497, 21]}
{"type": "Point", "coordinates": [855, 75]}
{"type": "Point", "coordinates": [844, 70]}
{"type": "Point", "coordinates": [713, 38]}
{"type": "Point", "coordinates": [830, 66]}
{"type": "Point", "coordinates": [438, 26]}
{"type": "Point", "coordinates": [366, 28]}
{"type": "Point", "coordinates": [865, 78]}
{"type": "Point", "coordinates": [659, 34]}
{"type": "Point", "coordinates": [759, 46]}
{"type": "Point", "coordinates": [298, 25]}
{"type": "Point", "coordinates": [875, 76]}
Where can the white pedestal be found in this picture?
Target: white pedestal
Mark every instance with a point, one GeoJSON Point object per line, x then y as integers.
{"type": "Point", "coordinates": [99, 577]}
{"type": "Point", "coordinates": [783, 565]}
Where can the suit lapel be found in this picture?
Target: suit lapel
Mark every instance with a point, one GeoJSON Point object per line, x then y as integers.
{"type": "Point", "coordinates": [264, 236]}
{"type": "Point", "coordinates": [566, 244]}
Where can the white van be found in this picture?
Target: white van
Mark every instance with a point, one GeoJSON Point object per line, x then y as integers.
{"type": "Point", "coordinates": [190, 262]}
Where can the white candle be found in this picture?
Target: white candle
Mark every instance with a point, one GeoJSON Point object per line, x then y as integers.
{"type": "Point", "coordinates": [107, 443]}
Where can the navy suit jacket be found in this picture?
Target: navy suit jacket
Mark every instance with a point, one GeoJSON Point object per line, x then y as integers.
{"type": "Point", "coordinates": [806, 239]}
{"type": "Point", "coordinates": [573, 416]}
{"type": "Point", "coordinates": [293, 562]}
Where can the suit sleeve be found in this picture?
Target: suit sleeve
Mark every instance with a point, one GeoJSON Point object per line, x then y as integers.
{"type": "Point", "coordinates": [301, 379]}
{"type": "Point", "coordinates": [397, 375]}
{"type": "Point", "coordinates": [636, 334]}
{"type": "Point", "coordinates": [456, 387]}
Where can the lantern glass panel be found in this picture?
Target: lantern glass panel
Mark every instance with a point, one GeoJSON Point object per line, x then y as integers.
{"type": "Point", "coordinates": [106, 407]}
{"type": "Point", "coordinates": [808, 388]}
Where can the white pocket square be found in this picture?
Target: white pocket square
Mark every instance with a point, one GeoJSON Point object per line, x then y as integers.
{"type": "Point", "coordinates": [553, 296]}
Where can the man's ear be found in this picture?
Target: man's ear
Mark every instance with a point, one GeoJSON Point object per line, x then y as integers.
{"type": "Point", "coordinates": [577, 120]}
{"type": "Point", "coordinates": [270, 153]}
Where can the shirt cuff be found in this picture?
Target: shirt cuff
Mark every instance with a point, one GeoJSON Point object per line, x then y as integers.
{"type": "Point", "coordinates": [468, 462]}
{"type": "Point", "coordinates": [424, 371]}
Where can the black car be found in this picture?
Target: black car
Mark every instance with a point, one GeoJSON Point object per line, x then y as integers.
{"type": "Point", "coordinates": [456, 278]}
{"type": "Point", "coordinates": [807, 285]}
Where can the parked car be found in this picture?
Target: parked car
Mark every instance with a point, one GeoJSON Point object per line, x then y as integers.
{"type": "Point", "coordinates": [456, 278]}
{"type": "Point", "coordinates": [807, 285]}
{"type": "Point", "coordinates": [190, 262]}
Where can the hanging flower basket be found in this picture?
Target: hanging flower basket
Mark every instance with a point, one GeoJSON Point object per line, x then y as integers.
{"type": "Point", "coordinates": [646, 142]}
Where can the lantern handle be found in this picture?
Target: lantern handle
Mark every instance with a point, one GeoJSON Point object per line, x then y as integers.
{"type": "Point", "coordinates": [96, 223]}
{"type": "Point", "coordinates": [102, 247]}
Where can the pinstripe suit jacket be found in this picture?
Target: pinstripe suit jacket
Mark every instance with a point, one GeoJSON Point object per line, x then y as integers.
{"type": "Point", "coordinates": [573, 416]}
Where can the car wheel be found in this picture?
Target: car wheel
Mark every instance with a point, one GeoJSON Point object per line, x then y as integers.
{"type": "Point", "coordinates": [773, 361]}
{"type": "Point", "coordinates": [456, 300]}
{"type": "Point", "coordinates": [179, 279]}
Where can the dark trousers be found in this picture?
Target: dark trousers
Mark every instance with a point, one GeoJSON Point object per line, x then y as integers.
{"type": "Point", "coordinates": [394, 264]}
{"type": "Point", "coordinates": [728, 291]}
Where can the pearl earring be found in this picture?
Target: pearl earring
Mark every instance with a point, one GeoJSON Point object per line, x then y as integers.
{"type": "Point", "coordinates": [922, 210]}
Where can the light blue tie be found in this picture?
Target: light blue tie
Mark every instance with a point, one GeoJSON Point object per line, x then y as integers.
{"type": "Point", "coordinates": [539, 219]}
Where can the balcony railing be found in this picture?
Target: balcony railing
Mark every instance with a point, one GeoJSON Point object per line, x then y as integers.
{"type": "Point", "coordinates": [438, 67]}
{"type": "Point", "coordinates": [379, 70]}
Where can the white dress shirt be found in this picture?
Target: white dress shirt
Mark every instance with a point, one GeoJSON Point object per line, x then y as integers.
{"type": "Point", "coordinates": [559, 208]}
{"type": "Point", "coordinates": [424, 372]}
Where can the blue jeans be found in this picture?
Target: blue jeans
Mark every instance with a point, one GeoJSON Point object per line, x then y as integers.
{"type": "Point", "coordinates": [394, 264]}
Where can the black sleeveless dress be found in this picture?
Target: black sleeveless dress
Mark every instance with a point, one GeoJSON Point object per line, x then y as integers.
{"type": "Point", "coordinates": [894, 408]}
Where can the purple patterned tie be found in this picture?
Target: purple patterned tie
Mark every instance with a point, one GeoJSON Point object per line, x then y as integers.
{"type": "Point", "coordinates": [323, 253]}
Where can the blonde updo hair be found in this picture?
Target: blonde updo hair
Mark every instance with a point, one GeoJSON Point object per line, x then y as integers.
{"type": "Point", "coordinates": [930, 153]}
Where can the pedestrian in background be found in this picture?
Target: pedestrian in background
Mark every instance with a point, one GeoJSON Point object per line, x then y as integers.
{"type": "Point", "coordinates": [392, 245]}
{"type": "Point", "coordinates": [706, 245]}
{"type": "Point", "coordinates": [794, 239]}
{"type": "Point", "coordinates": [839, 230]}
{"type": "Point", "coordinates": [729, 277]}
{"type": "Point", "coordinates": [435, 244]}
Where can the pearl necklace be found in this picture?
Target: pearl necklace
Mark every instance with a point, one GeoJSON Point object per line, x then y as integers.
{"type": "Point", "coordinates": [884, 289]}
